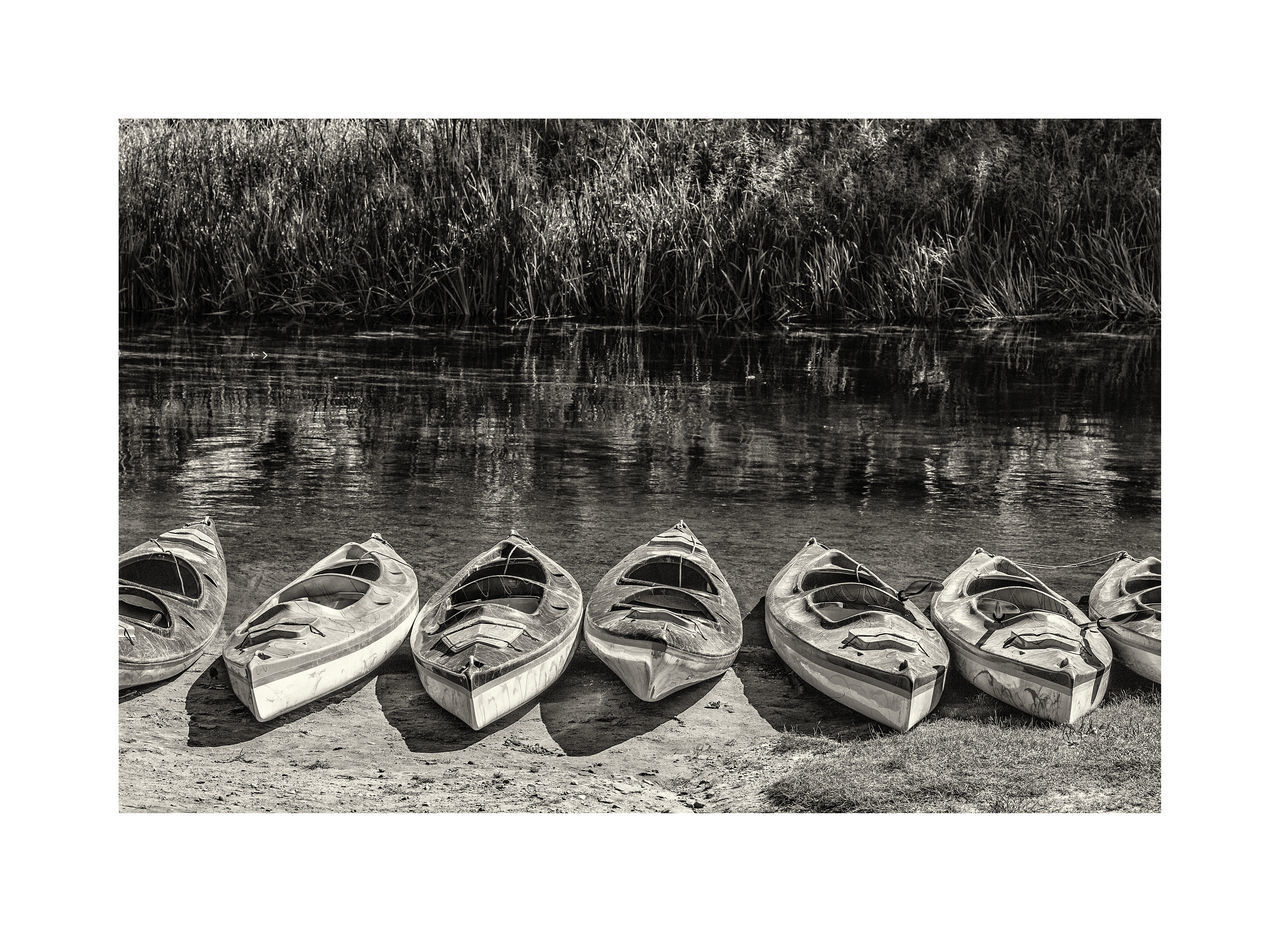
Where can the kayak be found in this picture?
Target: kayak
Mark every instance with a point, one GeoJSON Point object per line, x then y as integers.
{"type": "Point", "coordinates": [1126, 604]}
{"type": "Point", "coordinates": [329, 627]}
{"type": "Point", "coordinates": [498, 633]}
{"type": "Point", "coordinates": [852, 637]}
{"type": "Point", "coordinates": [1017, 640]}
{"type": "Point", "coordinates": [173, 591]}
{"type": "Point", "coordinates": [665, 618]}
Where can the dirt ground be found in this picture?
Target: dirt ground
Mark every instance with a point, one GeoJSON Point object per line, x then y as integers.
{"type": "Point", "coordinates": [586, 745]}
{"type": "Point", "coordinates": [381, 745]}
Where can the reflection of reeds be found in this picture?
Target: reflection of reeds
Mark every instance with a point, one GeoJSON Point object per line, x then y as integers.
{"type": "Point", "coordinates": [675, 221]}
{"type": "Point", "coordinates": [919, 413]}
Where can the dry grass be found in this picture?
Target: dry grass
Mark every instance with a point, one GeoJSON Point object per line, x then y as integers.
{"type": "Point", "coordinates": [980, 757]}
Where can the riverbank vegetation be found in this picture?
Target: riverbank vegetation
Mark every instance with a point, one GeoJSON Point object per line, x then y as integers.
{"type": "Point", "coordinates": [763, 222]}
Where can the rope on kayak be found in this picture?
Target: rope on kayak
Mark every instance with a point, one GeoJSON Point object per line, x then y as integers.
{"type": "Point", "coordinates": [177, 567]}
{"type": "Point", "coordinates": [1111, 557]}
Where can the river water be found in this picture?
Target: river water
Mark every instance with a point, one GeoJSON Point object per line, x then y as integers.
{"type": "Point", "coordinates": [905, 447]}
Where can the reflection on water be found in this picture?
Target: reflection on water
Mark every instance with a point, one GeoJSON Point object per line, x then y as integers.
{"type": "Point", "coordinates": [908, 447]}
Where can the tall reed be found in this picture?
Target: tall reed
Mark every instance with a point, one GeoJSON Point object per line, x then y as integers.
{"type": "Point", "coordinates": [649, 220]}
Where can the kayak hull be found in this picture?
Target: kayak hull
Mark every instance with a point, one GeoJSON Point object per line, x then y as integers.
{"type": "Point", "coordinates": [498, 633]}
{"type": "Point", "coordinates": [1017, 640]}
{"type": "Point", "coordinates": [138, 674]}
{"type": "Point", "coordinates": [1139, 653]}
{"type": "Point", "coordinates": [665, 617]}
{"type": "Point", "coordinates": [485, 704]}
{"type": "Point", "coordinates": [651, 670]}
{"type": "Point", "coordinates": [1018, 687]}
{"type": "Point", "coordinates": [328, 628]}
{"type": "Point", "coordinates": [173, 593]}
{"type": "Point", "coordinates": [898, 708]}
{"type": "Point", "coordinates": [278, 697]}
{"type": "Point", "coordinates": [849, 635]}
{"type": "Point", "coordinates": [1126, 603]}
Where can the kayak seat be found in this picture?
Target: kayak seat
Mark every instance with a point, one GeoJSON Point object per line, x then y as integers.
{"type": "Point", "coordinates": [1000, 602]}
{"type": "Point", "coordinates": [271, 632]}
{"type": "Point", "coordinates": [842, 603]}
{"type": "Point", "coordinates": [664, 617]}
{"type": "Point", "coordinates": [496, 632]}
{"type": "Point", "coordinates": [524, 604]}
{"type": "Point", "coordinates": [672, 600]}
{"type": "Point", "coordinates": [142, 608]}
{"type": "Point", "coordinates": [517, 592]}
{"type": "Point", "coordinates": [332, 590]}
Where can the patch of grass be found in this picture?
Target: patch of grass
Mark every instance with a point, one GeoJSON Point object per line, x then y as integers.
{"type": "Point", "coordinates": [759, 221]}
{"type": "Point", "coordinates": [791, 742]}
{"type": "Point", "coordinates": [1003, 763]}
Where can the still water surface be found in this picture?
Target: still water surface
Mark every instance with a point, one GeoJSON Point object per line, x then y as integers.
{"type": "Point", "coordinates": [905, 447]}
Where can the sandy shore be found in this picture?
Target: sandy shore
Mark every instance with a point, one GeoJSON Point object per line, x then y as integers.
{"type": "Point", "coordinates": [382, 745]}
{"type": "Point", "coordinates": [587, 745]}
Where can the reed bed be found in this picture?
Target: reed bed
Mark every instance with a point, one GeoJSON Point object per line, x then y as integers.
{"type": "Point", "coordinates": [759, 222]}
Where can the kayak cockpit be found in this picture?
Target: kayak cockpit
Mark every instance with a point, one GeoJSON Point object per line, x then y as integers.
{"type": "Point", "coordinates": [999, 604]}
{"type": "Point", "coordinates": [839, 590]}
{"type": "Point", "coordinates": [162, 572]}
{"type": "Point", "coordinates": [139, 607]}
{"type": "Point", "coordinates": [834, 567]}
{"type": "Point", "coordinates": [510, 560]}
{"type": "Point", "coordinates": [1145, 582]}
{"type": "Point", "coordinates": [842, 603]}
{"type": "Point", "coordinates": [669, 571]}
{"type": "Point", "coordinates": [291, 616]}
{"type": "Point", "coordinates": [665, 599]}
{"type": "Point", "coordinates": [516, 592]}
{"type": "Point", "coordinates": [366, 568]}
{"type": "Point", "coordinates": [332, 590]}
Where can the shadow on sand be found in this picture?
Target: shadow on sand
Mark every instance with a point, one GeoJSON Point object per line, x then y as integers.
{"type": "Point", "coordinates": [216, 718]}
{"type": "Point", "coordinates": [425, 726]}
{"type": "Point", "coordinates": [589, 710]}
